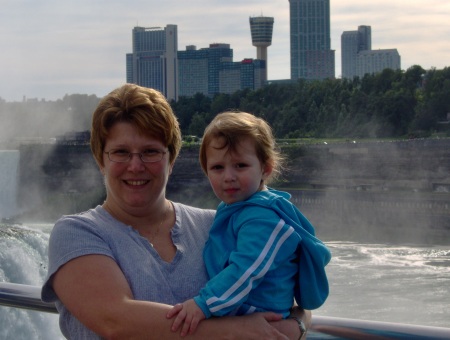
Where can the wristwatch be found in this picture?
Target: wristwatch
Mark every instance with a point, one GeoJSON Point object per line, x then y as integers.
{"type": "Point", "coordinates": [301, 326]}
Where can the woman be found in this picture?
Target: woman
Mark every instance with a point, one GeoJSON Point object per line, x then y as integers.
{"type": "Point", "coordinates": [115, 271]}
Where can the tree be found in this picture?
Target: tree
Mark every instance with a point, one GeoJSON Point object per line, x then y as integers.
{"type": "Point", "coordinates": [197, 126]}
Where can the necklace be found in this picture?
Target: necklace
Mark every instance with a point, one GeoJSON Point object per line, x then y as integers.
{"type": "Point", "coordinates": [152, 237]}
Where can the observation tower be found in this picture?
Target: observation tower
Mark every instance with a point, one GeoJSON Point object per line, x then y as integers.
{"type": "Point", "coordinates": [261, 29]}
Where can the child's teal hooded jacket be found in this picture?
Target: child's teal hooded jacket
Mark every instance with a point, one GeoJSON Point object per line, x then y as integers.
{"type": "Point", "coordinates": [262, 253]}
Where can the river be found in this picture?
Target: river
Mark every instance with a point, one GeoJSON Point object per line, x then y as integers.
{"type": "Point", "coordinates": [382, 282]}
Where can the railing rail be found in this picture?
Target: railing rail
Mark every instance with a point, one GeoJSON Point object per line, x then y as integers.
{"type": "Point", "coordinates": [24, 296]}
{"type": "Point", "coordinates": [323, 327]}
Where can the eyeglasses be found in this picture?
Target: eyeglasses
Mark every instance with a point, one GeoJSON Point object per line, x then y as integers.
{"type": "Point", "coordinates": [147, 156]}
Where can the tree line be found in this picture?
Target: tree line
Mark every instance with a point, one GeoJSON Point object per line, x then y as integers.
{"type": "Point", "coordinates": [390, 104]}
{"type": "Point", "coordinates": [393, 103]}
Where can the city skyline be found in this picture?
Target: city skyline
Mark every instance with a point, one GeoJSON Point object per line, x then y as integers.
{"type": "Point", "coordinates": [52, 48]}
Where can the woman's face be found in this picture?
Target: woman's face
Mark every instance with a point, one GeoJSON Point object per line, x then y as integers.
{"type": "Point", "coordinates": [134, 186]}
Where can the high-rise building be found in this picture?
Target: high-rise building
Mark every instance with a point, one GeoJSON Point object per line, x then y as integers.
{"type": "Point", "coordinates": [364, 38]}
{"type": "Point", "coordinates": [230, 77]}
{"type": "Point", "coordinates": [375, 61]}
{"type": "Point", "coordinates": [353, 42]}
{"type": "Point", "coordinates": [261, 29]}
{"type": "Point", "coordinates": [311, 54]}
{"type": "Point", "coordinates": [349, 53]}
{"type": "Point", "coordinates": [199, 70]}
{"type": "Point", "coordinates": [246, 74]}
{"type": "Point", "coordinates": [218, 53]}
{"type": "Point", "coordinates": [192, 71]}
{"type": "Point", "coordinates": [253, 73]}
{"type": "Point", "coordinates": [153, 62]}
{"type": "Point", "coordinates": [358, 58]}
{"type": "Point", "coordinates": [212, 70]}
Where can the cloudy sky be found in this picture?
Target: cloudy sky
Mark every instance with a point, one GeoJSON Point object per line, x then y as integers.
{"type": "Point", "coordinates": [50, 48]}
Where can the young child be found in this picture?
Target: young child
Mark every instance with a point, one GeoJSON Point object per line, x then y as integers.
{"type": "Point", "coordinates": [261, 250]}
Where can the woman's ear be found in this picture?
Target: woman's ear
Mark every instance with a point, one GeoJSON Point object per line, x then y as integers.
{"type": "Point", "coordinates": [101, 168]}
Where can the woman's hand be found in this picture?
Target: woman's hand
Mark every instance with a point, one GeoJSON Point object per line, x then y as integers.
{"type": "Point", "coordinates": [254, 326]}
{"type": "Point", "coordinates": [289, 327]}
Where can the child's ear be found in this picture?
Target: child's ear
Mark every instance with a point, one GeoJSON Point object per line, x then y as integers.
{"type": "Point", "coordinates": [267, 170]}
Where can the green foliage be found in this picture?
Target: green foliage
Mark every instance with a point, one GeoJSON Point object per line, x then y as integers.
{"type": "Point", "coordinates": [390, 104]}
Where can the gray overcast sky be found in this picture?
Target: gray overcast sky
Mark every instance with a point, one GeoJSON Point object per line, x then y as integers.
{"type": "Point", "coordinates": [50, 48]}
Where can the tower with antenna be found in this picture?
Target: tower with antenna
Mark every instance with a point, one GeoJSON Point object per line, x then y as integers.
{"type": "Point", "coordinates": [261, 29]}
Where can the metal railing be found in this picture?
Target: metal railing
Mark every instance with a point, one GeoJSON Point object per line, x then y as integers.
{"type": "Point", "coordinates": [24, 296]}
{"type": "Point", "coordinates": [29, 297]}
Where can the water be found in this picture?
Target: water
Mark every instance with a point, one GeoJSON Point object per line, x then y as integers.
{"type": "Point", "coordinates": [393, 283]}
{"type": "Point", "coordinates": [9, 165]}
{"type": "Point", "coordinates": [23, 259]}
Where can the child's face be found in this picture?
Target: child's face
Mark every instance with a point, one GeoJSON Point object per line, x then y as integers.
{"type": "Point", "coordinates": [235, 175]}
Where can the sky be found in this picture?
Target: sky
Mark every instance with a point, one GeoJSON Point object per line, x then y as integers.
{"type": "Point", "coordinates": [50, 48]}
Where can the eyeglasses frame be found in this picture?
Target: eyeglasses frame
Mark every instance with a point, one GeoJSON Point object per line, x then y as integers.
{"type": "Point", "coordinates": [140, 154]}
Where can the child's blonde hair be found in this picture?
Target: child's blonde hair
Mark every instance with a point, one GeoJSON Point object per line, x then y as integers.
{"type": "Point", "coordinates": [233, 127]}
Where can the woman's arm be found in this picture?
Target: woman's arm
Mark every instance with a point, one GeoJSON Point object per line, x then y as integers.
{"type": "Point", "coordinates": [95, 291]}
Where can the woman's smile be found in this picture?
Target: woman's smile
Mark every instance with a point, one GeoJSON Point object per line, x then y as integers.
{"type": "Point", "coordinates": [136, 182]}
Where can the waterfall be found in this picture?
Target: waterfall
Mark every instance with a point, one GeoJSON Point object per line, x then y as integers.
{"type": "Point", "coordinates": [23, 259]}
{"type": "Point", "coordinates": [9, 166]}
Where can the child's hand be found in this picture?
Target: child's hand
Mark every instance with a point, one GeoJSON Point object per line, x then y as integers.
{"type": "Point", "coordinates": [188, 312]}
{"type": "Point", "coordinates": [175, 310]}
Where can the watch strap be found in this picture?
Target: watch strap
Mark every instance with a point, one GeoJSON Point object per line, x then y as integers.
{"type": "Point", "coordinates": [301, 326]}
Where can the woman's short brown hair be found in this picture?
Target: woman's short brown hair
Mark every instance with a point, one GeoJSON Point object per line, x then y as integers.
{"type": "Point", "coordinates": [145, 108]}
